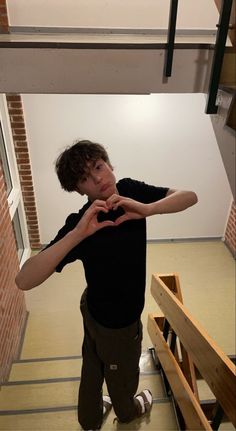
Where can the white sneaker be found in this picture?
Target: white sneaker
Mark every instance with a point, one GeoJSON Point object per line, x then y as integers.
{"type": "Point", "coordinates": [145, 401]}
{"type": "Point", "coordinates": [107, 404]}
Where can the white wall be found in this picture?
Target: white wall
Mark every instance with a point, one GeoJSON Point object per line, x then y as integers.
{"type": "Point", "coordinates": [163, 139]}
{"type": "Point", "coordinates": [113, 13]}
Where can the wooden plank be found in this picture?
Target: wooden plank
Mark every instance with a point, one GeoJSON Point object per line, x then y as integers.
{"type": "Point", "coordinates": [190, 408]}
{"type": "Point", "coordinates": [172, 282]}
{"type": "Point", "coordinates": [215, 367]}
{"type": "Point", "coordinates": [189, 371]}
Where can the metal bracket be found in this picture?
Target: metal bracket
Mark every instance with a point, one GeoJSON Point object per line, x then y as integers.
{"type": "Point", "coordinates": [171, 37]}
{"type": "Point", "coordinates": [221, 37]}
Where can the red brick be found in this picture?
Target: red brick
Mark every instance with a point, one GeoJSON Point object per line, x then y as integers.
{"type": "Point", "coordinates": [15, 111]}
{"type": "Point", "coordinates": [21, 159]}
{"type": "Point", "coordinates": [19, 138]}
{"type": "Point", "coordinates": [230, 233]}
{"type": "Point", "coordinates": [4, 21]}
{"type": "Point", "coordinates": [17, 125]}
{"type": "Point", "coordinates": [23, 149]}
{"type": "Point", "coordinates": [26, 177]}
{"type": "Point", "coordinates": [3, 9]}
{"type": "Point", "coordinates": [16, 119]}
{"type": "Point", "coordinates": [13, 97]}
{"type": "Point", "coordinates": [19, 131]}
{"type": "Point", "coordinates": [15, 105]}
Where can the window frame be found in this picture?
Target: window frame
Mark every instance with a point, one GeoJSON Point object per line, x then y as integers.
{"type": "Point", "coordinates": [15, 198]}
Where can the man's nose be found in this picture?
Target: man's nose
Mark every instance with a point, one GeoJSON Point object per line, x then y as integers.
{"type": "Point", "coordinates": [96, 178]}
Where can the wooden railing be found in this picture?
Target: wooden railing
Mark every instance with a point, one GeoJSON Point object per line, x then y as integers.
{"type": "Point", "coordinates": [196, 348]}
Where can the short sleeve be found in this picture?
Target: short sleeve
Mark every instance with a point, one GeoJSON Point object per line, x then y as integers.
{"type": "Point", "coordinates": [74, 254]}
{"type": "Point", "coordinates": [141, 191]}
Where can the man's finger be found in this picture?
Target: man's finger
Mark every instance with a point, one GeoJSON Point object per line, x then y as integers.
{"type": "Point", "coordinates": [121, 219]}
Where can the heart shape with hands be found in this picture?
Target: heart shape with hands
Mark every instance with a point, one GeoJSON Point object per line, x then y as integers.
{"type": "Point", "coordinates": [118, 209]}
{"type": "Point", "coordinates": [111, 215]}
{"type": "Point", "coordinates": [112, 212]}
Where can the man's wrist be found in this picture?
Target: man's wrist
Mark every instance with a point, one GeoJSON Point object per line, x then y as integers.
{"type": "Point", "coordinates": [153, 208]}
{"type": "Point", "coordinates": [75, 236]}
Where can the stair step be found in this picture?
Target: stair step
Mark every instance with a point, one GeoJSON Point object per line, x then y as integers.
{"type": "Point", "coordinates": [162, 416]}
{"type": "Point", "coordinates": [61, 393]}
{"type": "Point", "coordinates": [47, 335]}
{"type": "Point", "coordinates": [204, 391]}
{"type": "Point", "coordinates": [48, 369]}
{"type": "Point", "coordinates": [62, 367]}
{"type": "Point", "coordinates": [205, 394]}
{"type": "Point", "coordinates": [226, 426]}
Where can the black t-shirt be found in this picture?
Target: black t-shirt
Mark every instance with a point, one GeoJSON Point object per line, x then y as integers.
{"type": "Point", "coordinates": [114, 260]}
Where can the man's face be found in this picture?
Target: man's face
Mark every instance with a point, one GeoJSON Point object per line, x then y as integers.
{"type": "Point", "coordinates": [98, 181]}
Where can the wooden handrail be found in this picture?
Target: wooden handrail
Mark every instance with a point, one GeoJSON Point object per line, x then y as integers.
{"type": "Point", "coordinates": [193, 415]}
{"type": "Point", "coordinates": [214, 366]}
{"type": "Point", "coordinates": [187, 366]}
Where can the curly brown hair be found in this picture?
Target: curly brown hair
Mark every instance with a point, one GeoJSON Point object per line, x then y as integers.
{"type": "Point", "coordinates": [72, 163]}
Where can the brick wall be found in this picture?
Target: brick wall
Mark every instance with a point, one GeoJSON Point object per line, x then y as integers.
{"type": "Point", "coordinates": [230, 233]}
{"type": "Point", "coordinates": [16, 113]}
{"type": "Point", "coordinates": [12, 304]}
{"type": "Point", "coordinates": [4, 25]}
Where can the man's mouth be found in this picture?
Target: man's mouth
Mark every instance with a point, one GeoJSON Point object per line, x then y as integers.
{"type": "Point", "coordinates": [104, 187]}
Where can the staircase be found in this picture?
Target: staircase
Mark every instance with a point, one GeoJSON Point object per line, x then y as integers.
{"type": "Point", "coordinates": [228, 86]}
{"type": "Point", "coordinates": [224, 122]}
{"type": "Point", "coordinates": [41, 395]}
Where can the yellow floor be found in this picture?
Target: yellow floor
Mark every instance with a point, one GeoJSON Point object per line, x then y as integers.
{"type": "Point", "coordinates": [51, 353]}
{"type": "Point", "coordinates": [206, 271]}
{"type": "Point", "coordinates": [161, 418]}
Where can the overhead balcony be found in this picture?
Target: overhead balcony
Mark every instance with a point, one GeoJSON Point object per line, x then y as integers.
{"type": "Point", "coordinates": [101, 47]}
{"type": "Point", "coordinates": [108, 50]}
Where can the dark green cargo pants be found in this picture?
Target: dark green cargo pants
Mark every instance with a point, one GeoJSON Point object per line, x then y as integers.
{"type": "Point", "coordinates": [113, 355]}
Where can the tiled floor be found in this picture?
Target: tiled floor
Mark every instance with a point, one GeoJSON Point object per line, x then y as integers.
{"type": "Point", "coordinates": [46, 378]}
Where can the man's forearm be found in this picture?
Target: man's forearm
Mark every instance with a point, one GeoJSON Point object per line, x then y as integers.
{"type": "Point", "coordinates": [174, 202]}
{"type": "Point", "coordinates": [38, 268]}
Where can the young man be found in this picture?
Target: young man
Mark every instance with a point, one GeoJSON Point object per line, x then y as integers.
{"type": "Point", "coordinates": [109, 236]}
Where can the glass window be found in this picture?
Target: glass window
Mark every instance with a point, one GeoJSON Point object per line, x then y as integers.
{"type": "Point", "coordinates": [11, 177]}
{"type": "Point", "coordinates": [18, 235]}
{"type": "Point", "coordinates": [5, 164]}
